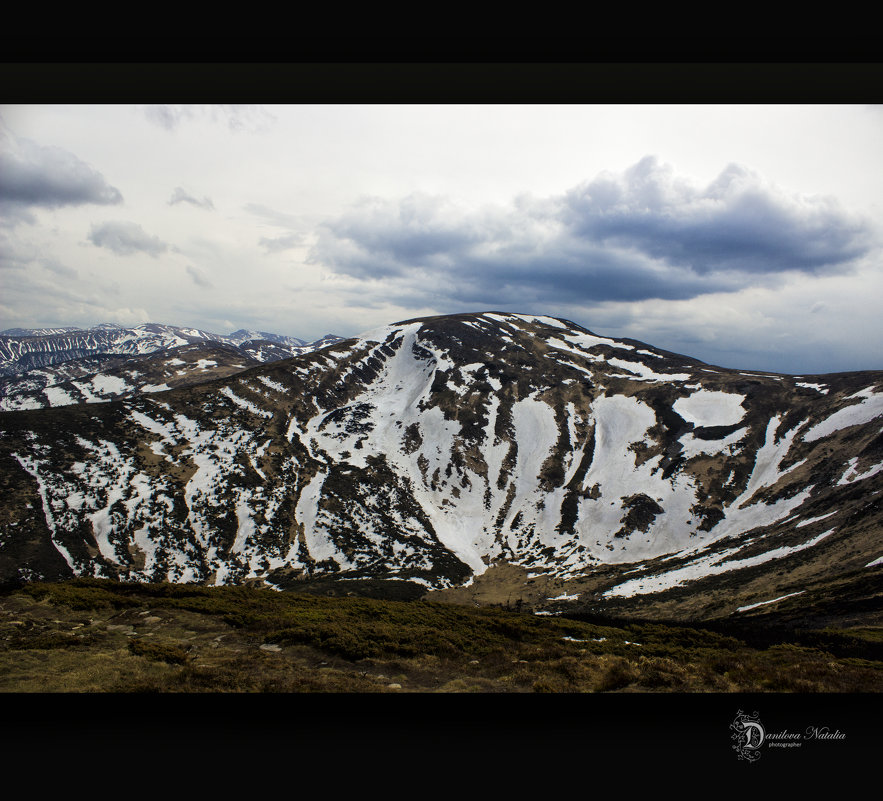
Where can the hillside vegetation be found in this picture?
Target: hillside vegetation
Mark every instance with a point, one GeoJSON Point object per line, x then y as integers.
{"type": "Point", "coordinates": [96, 635]}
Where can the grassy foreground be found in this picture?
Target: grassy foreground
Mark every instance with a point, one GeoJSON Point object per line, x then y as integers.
{"type": "Point", "coordinates": [93, 635]}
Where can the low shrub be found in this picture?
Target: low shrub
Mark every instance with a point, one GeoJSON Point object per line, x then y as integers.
{"type": "Point", "coordinates": [157, 651]}
{"type": "Point", "coordinates": [619, 673]}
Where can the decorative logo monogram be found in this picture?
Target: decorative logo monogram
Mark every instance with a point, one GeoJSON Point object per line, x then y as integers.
{"type": "Point", "coordinates": [748, 735]}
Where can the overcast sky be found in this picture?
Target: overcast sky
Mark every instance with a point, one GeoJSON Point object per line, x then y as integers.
{"type": "Point", "coordinates": [745, 236]}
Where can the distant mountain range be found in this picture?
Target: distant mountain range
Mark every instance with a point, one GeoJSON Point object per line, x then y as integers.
{"type": "Point", "coordinates": [23, 349]}
{"type": "Point", "coordinates": [485, 458]}
{"type": "Point", "coordinates": [60, 366]}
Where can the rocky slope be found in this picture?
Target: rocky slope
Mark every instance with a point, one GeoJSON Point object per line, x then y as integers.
{"type": "Point", "coordinates": [484, 457]}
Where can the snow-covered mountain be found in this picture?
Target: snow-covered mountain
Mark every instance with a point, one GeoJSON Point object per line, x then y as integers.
{"type": "Point", "coordinates": [474, 455]}
{"type": "Point", "coordinates": [38, 332]}
{"type": "Point", "coordinates": [22, 350]}
{"type": "Point", "coordinates": [60, 367]}
{"type": "Point", "coordinates": [243, 335]}
{"type": "Point", "coordinates": [109, 377]}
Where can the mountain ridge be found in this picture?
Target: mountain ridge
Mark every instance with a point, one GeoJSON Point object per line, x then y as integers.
{"type": "Point", "coordinates": [607, 474]}
{"type": "Point", "coordinates": [22, 350]}
{"type": "Point", "coordinates": [109, 362]}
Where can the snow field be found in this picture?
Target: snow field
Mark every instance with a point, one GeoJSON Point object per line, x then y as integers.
{"type": "Point", "coordinates": [644, 373]}
{"type": "Point", "coordinates": [58, 397]}
{"type": "Point", "coordinates": [707, 408]}
{"type": "Point", "coordinates": [870, 407]}
{"type": "Point", "coordinates": [109, 385]}
{"type": "Point", "coordinates": [620, 421]}
{"type": "Point", "coordinates": [766, 466]}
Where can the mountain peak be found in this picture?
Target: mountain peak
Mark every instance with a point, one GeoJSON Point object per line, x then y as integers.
{"type": "Point", "coordinates": [440, 450]}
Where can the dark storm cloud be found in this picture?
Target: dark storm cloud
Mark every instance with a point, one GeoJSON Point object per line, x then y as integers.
{"type": "Point", "coordinates": [638, 235]}
{"type": "Point", "coordinates": [736, 223]}
{"type": "Point", "coordinates": [32, 175]}
{"type": "Point", "coordinates": [126, 238]}
{"type": "Point", "coordinates": [181, 196]}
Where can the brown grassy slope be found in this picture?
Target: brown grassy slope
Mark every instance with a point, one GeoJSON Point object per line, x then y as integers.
{"type": "Point", "coordinates": [100, 636]}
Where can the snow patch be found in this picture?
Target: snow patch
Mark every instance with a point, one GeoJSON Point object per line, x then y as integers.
{"type": "Point", "coordinates": [58, 397]}
{"type": "Point", "coordinates": [244, 404]}
{"type": "Point", "coordinates": [851, 475]}
{"type": "Point", "coordinates": [645, 373]}
{"type": "Point", "coordinates": [711, 408]}
{"type": "Point", "coordinates": [817, 387]}
{"type": "Point", "coordinates": [772, 601]}
{"type": "Point", "coordinates": [803, 523]}
{"type": "Point", "coordinates": [268, 382]}
{"type": "Point", "coordinates": [620, 423]}
{"type": "Point", "coordinates": [109, 384]}
{"type": "Point", "coordinates": [864, 412]}
{"type": "Point", "coordinates": [706, 566]}
{"type": "Point", "coordinates": [550, 321]}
